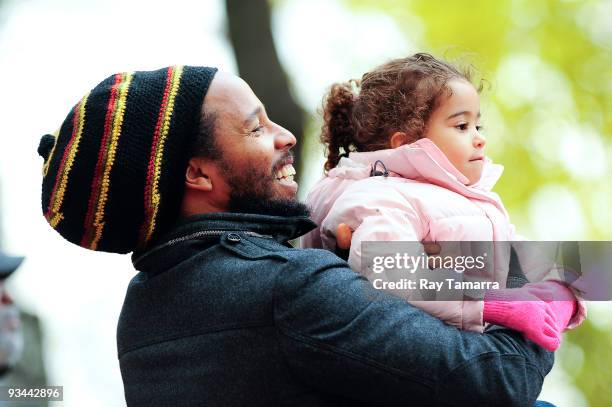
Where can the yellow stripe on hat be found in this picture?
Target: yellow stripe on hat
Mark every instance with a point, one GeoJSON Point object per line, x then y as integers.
{"type": "Point", "coordinates": [54, 216]}
{"type": "Point", "coordinates": [111, 150]}
{"type": "Point", "coordinates": [47, 163]}
{"type": "Point", "coordinates": [155, 197]}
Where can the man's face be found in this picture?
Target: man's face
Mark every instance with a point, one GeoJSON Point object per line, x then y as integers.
{"type": "Point", "coordinates": [255, 162]}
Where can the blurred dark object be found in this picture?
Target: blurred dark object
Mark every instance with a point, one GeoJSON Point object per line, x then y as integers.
{"type": "Point", "coordinates": [29, 370]}
{"type": "Point", "coordinates": [21, 361]}
{"type": "Point", "coordinates": [250, 33]}
{"type": "Point", "coordinates": [8, 264]}
{"type": "Point", "coordinates": [11, 335]}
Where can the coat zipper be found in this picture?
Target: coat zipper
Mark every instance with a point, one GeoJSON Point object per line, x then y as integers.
{"type": "Point", "coordinates": [197, 235]}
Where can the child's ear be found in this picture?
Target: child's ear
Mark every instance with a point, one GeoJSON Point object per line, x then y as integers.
{"type": "Point", "coordinates": [399, 138]}
{"type": "Point", "coordinates": [197, 176]}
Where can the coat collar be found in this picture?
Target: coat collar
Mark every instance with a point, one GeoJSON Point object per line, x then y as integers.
{"type": "Point", "coordinates": [421, 161]}
{"type": "Point", "coordinates": [278, 228]}
{"type": "Point", "coordinates": [281, 228]}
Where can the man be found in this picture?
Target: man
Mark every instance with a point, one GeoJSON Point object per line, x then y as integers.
{"type": "Point", "coordinates": [183, 167]}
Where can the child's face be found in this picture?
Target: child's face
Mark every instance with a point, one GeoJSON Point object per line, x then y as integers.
{"type": "Point", "coordinates": [454, 127]}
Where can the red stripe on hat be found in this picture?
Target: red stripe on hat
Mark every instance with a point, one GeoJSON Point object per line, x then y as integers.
{"type": "Point", "coordinates": [152, 158]}
{"type": "Point", "coordinates": [95, 190]}
{"type": "Point", "coordinates": [60, 171]}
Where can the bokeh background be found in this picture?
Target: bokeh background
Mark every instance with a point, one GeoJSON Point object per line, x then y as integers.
{"type": "Point", "coordinates": [546, 115]}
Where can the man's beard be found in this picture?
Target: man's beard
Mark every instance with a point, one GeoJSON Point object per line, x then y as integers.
{"type": "Point", "coordinates": [252, 192]}
{"type": "Point", "coordinates": [245, 203]}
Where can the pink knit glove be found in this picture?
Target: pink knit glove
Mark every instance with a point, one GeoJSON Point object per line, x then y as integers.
{"type": "Point", "coordinates": [541, 311]}
{"type": "Point", "coordinates": [559, 297]}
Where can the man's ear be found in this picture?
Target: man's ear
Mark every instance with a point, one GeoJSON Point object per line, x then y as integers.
{"type": "Point", "coordinates": [399, 138]}
{"type": "Point", "coordinates": [197, 176]}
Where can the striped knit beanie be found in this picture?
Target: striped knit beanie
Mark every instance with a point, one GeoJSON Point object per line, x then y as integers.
{"type": "Point", "coordinates": [112, 177]}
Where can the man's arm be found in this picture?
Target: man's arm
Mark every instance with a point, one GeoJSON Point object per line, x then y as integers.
{"type": "Point", "coordinates": [342, 336]}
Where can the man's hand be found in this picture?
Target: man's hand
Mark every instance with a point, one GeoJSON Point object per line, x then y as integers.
{"type": "Point", "coordinates": [344, 234]}
{"type": "Point", "coordinates": [432, 249]}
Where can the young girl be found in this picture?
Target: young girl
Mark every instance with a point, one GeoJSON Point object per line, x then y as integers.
{"type": "Point", "coordinates": [406, 162]}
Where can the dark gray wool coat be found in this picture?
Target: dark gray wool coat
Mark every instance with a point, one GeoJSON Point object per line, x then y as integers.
{"type": "Point", "coordinates": [224, 312]}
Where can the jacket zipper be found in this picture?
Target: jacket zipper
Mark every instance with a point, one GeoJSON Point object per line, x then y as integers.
{"type": "Point", "coordinates": [196, 235]}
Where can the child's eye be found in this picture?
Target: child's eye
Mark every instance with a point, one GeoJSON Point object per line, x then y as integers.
{"type": "Point", "coordinates": [479, 128]}
{"type": "Point", "coordinates": [462, 126]}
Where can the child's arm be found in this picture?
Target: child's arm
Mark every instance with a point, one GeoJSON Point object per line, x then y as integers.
{"type": "Point", "coordinates": [375, 211]}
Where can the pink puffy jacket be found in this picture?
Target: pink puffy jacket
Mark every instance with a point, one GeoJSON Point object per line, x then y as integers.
{"type": "Point", "coordinates": [424, 198]}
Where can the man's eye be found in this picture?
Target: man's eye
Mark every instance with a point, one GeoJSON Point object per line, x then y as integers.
{"type": "Point", "coordinates": [257, 130]}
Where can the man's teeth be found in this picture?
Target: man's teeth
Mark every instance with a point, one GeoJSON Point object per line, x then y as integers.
{"type": "Point", "coordinates": [286, 171]}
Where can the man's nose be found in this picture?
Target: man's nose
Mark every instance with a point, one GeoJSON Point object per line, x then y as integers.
{"type": "Point", "coordinates": [284, 139]}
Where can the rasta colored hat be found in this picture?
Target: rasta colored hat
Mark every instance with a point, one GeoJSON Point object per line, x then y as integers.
{"type": "Point", "coordinates": [112, 177]}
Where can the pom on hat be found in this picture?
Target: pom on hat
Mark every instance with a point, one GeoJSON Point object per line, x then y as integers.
{"type": "Point", "coordinates": [110, 177]}
{"type": "Point", "coordinates": [46, 145]}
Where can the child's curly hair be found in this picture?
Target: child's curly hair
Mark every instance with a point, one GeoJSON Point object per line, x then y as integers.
{"type": "Point", "coordinates": [399, 95]}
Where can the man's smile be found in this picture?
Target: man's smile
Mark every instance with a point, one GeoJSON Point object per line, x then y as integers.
{"type": "Point", "coordinates": [285, 173]}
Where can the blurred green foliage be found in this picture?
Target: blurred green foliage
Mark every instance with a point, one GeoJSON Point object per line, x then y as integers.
{"type": "Point", "coordinates": [548, 118]}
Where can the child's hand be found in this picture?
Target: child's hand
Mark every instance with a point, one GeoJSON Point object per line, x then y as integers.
{"type": "Point", "coordinates": [532, 311]}
{"type": "Point", "coordinates": [559, 297]}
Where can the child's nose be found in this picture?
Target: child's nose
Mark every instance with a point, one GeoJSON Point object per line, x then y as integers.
{"type": "Point", "coordinates": [479, 140]}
